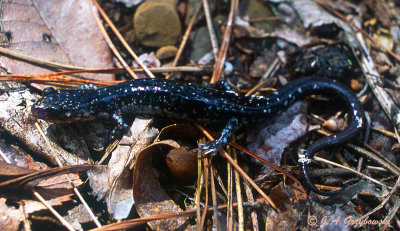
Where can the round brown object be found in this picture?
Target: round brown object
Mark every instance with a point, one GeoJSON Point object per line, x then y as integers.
{"type": "Point", "coordinates": [182, 164]}
{"type": "Point", "coordinates": [166, 52]}
{"type": "Point", "coordinates": [157, 23]}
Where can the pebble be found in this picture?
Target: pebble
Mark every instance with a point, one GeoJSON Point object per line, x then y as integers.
{"type": "Point", "coordinates": [166, 52]}
{"type": "Point", "coordinates": [157, 23]}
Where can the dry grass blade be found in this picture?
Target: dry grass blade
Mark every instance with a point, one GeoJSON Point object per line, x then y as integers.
{"type": "Point", "coordinates": [200, 181]}
{"type": "Point", "coordinates": [392, 214]}
{"type": "Point", "coordinates": [237, 167]}
{"type": "Point", "coordinates": [55, 213]}
{"type": "Point", "coordinates": [385, 132]}
{"type": "Point", "coordinates": [214, 197]}
{"type": "Point", "coordinates": [229, 212]}
{"type": "Point", "coordinates": [121, 38]}
{"type": "Point", "coordinates": [135, 222]}
{"type": "Point", "coordinates": [110, 43]}
{"type": "Point", "coordinates": [250, 199]}
{"type": "Point", "coordinates": [219, 65]}
{"type": "Point", "coordinates": [211, 31]}
{"type": "Point", "coordinates": [382, 204]}
{"type": "Point", "coordinates": [206, 177]}
{"type": "Point", "coordinates": [349, 169]}
{"type": "Point", "coordinates": [38, 62]}
{"type": "Point", "coordinates": [184, 39]}
{"type": "Point", "coordinates": [268, 163]}
{"type": "Point", "coordinates": [22, 186]}
{"type": "Point", "coordinates": [239, 196]}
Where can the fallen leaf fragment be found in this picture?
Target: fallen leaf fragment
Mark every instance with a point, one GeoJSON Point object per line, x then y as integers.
{"type": "Point", "coordinates": [119, 172]}
{"type": "Point", "coordinates": [11, 217]}
{"type": "Point", "coordinates": [18, 183]}
{"type": "Point", "coordinates": [18, 121]}
{"type": "Point", "coordinates": [150, 198]}
{"type": "Point", "coordinates": [270, 141]}
{"type": "Point", "coordinates": [62, 31]}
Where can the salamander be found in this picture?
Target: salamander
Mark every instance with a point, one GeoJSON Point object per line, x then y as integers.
{"type": "Point", "coordinates": [185, 101]}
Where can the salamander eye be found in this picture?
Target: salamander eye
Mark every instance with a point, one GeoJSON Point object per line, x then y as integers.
{"type": "Point", "coordinates": [48, 91]}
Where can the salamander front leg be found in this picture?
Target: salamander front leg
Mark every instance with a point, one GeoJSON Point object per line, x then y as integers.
{"type": "Point", "coordinates": [120, 128]}
{"type": "Point", "coordinates": [221, 85]}
{"type": "Point", "coordinates": [222, 141]}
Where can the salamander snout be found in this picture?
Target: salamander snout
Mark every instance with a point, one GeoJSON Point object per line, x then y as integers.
{"type": "Point", "coordinates": [39, 112]}
{"type": "Point", "coordinates": [50, 113]}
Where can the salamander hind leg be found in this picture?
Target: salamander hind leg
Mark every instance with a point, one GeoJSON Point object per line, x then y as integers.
{"type": "Point", "coordinates": [216, 145]}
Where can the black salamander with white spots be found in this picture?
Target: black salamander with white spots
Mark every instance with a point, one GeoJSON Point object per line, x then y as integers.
{"type": "Point", "coordinates": [184, 101]}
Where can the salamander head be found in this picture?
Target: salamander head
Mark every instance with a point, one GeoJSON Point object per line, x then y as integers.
{"type": "Point", "coordinates": [61, 106]}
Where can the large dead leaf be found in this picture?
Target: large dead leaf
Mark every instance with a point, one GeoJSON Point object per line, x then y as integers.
{"type": "Point", "coordinates": [61, 31]}
{"type": "Point", "coordinates": [150, 198]}
{"type": "Point", "coordinates": [18, 183]}
{"type": "Point", "coordinates": [120, 199]}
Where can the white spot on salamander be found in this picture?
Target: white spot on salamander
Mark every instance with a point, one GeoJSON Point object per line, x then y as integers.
{"type": "Point", "coordinates": [359, 122]}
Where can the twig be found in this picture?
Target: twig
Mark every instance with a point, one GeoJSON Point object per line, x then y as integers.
{"type": "Point", "coordinates": [349, 169]}
{"type": "Point", "coordinates": [138, 221]}
{"type": "Point", "coordinates": [184, 40]}
{"type": "Point", "coordinates": [214, 197]}
{"type": "Point", "coordinates": [219, 65]}
{"type": "Point", "coordinates": [110, 43]}
{"type": "Point", "coordinates": [392, 213]}
{"type": "Point", "coordinates": [206, 183]}
{"type": "Point", "coordinates": [383, 201]}
{"type": "Point", "coordinates": [241, 172]}
{"type": "Point", "coordinates": [239, 196]}
{"type": "Point", "coordinates": [271, 70]}
{"type": "Point", "coordinates": [53, 153]}
{"type": "Point", "coordinates": [267, 163]}
{"type": "Point", "coordinates": [58, 76]}
{"type": "Point", "coordinates": [388, 165]}
{"type": "Point", "coordinates": [250, 199]}
{"type": "Point", "coordinates": [186, 36]}
{"type": "Point", "coordinates": [121, 38]}
{"type": "Point", "coordinates": [5, 158]}
{"type": "Point", "coordinates": [200, 180]}
{"type": "Point", "coordinates": [211, 31]}
{"type": "Point", "coordinates": [55, 213]}
{"type": "Point", "coordinates": [38, 62]}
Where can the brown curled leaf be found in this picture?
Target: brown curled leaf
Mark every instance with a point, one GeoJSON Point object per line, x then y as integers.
{"type": "Point", "coordinates": [150, 197]}
{"type": "Point", "coordinates": [183, 132]}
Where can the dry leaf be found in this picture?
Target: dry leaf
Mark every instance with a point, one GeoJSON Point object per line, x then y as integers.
{"type": "Point", "coordinates": [150, 198]}
{"type": "Point", "coordinates": [18, 183]}
{"type": "Point", "coordinates": [270, 139]}
{"type": "Point", "coordinates": [11, 217]}
{"type": "Point", "coordinates": [18, 121]}
{"type": "Point", "coordinates": [119, 174]}
{"type": "Point", "coordinates": [62, 31]}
